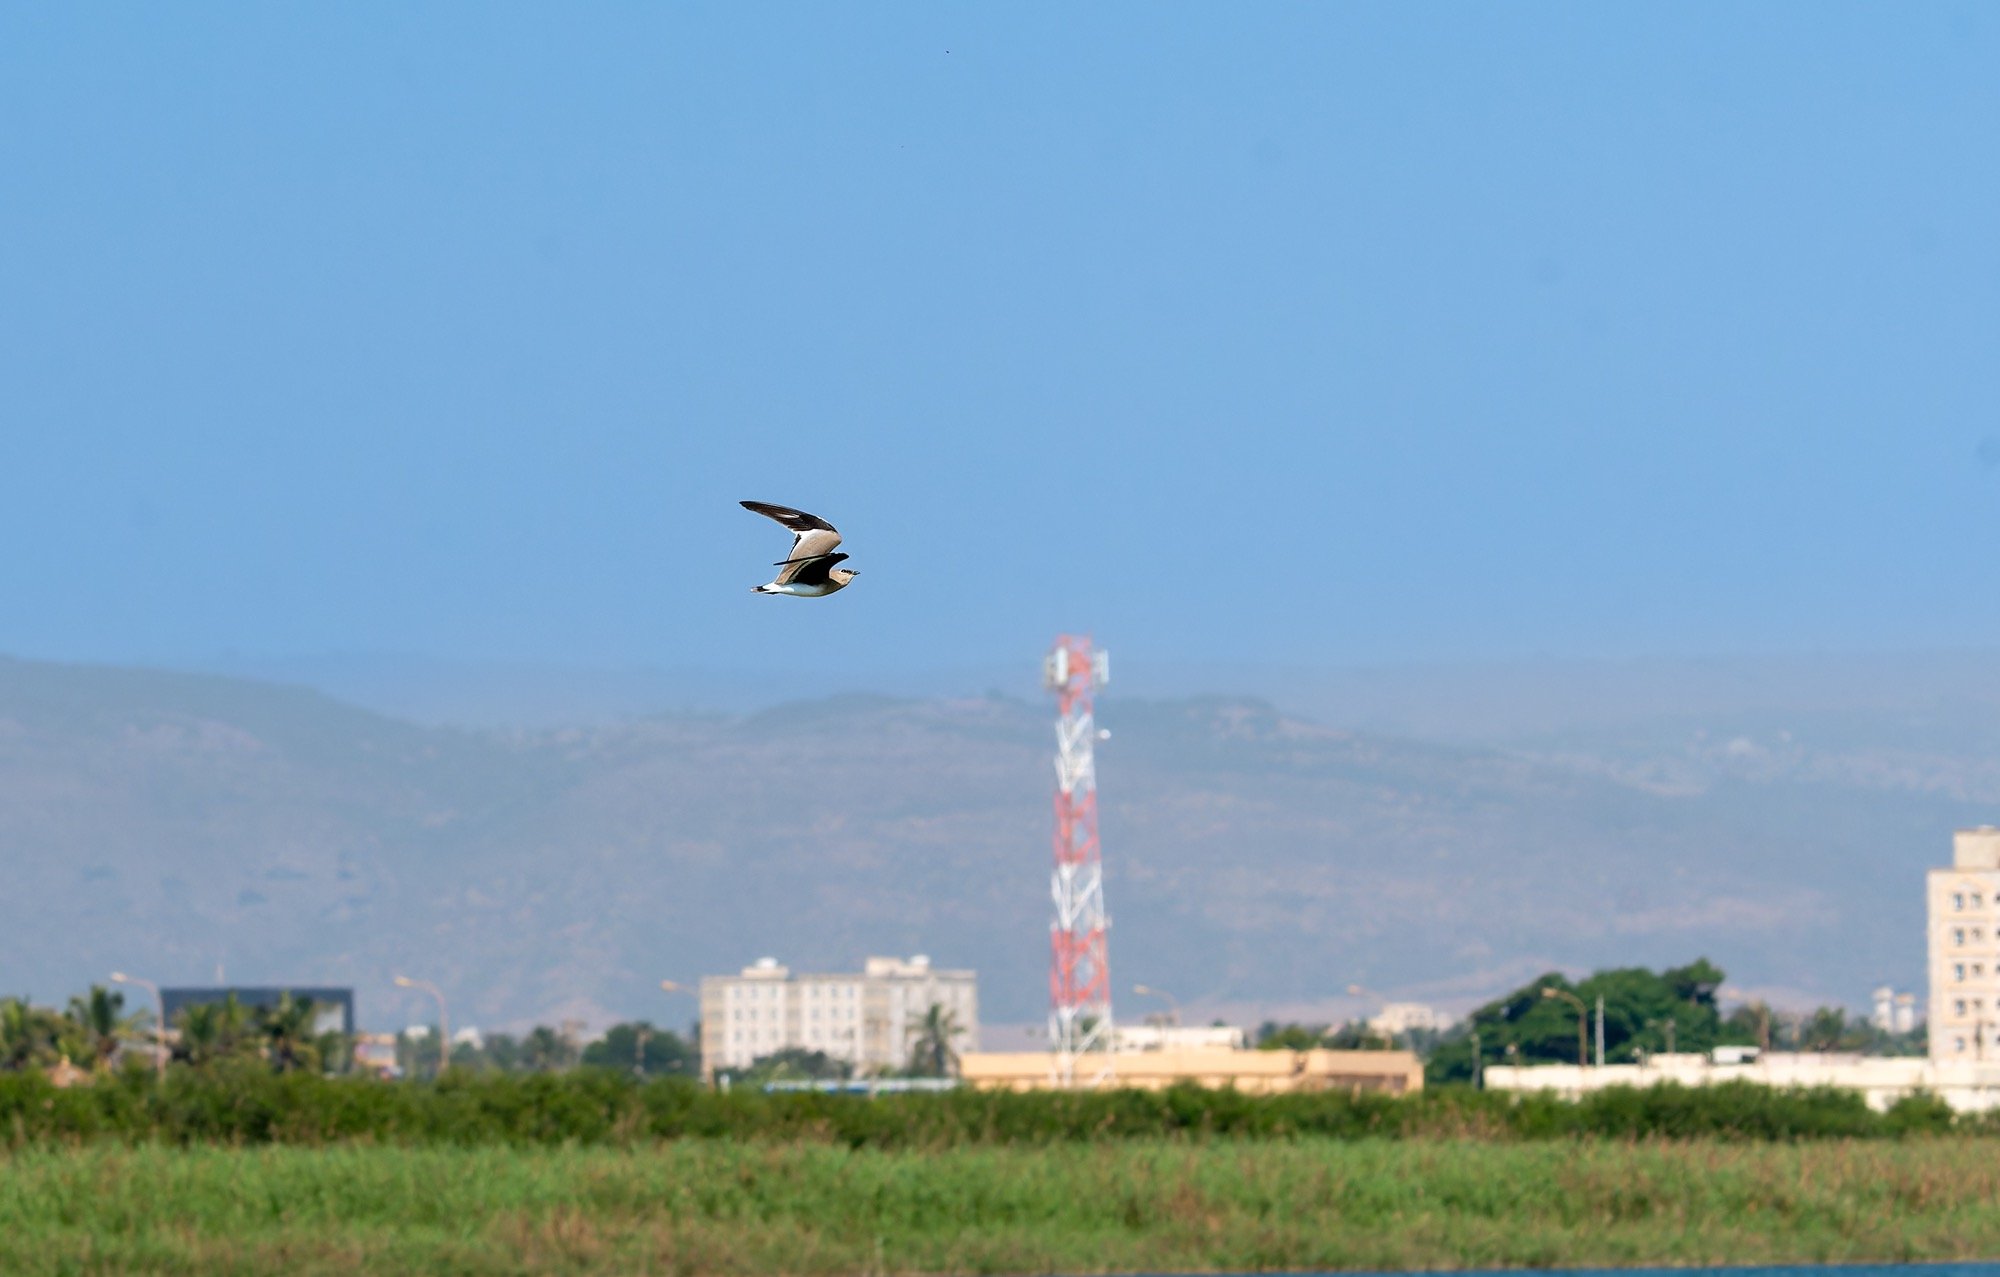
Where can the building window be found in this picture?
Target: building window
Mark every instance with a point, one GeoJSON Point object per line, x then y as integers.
{"type": "Point", "coordinates": [1958, 1044]}
{"type": "Point", "coordinates": [1976, 900]}
{"type": "Point", "coordinates": [1958, 971]}
{"type": "Point", "coordinates": [1958, 900]}
{"type": "Point", "coordinates": [1958, 1007]}
{"type": "Point", "coordinates": [1958, 935]}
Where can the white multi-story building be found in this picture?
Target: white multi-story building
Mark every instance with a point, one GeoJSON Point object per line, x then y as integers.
{"type": "Point", "coordinates": [1964, 909]}
{"type": "Point", "coordinates": [1893, 1012]}
{"type": "Point", "coordinates": [870, 1020]}
{"type": "Point", "coordinates": [1398, 1018]}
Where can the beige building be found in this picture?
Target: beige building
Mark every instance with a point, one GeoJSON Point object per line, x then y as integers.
{"type": "Point", "coordinates": [868, 1019]}
{"type": "Point", "coordinates": [1255, 1072]}
{"type": "Point", "coordinates": [1963, 905]}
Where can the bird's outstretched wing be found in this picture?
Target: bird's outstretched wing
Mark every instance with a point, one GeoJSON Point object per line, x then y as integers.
{"type": "Point", "coordinates": [812, 536]}
{"type": "Point", "coordinates": [812, 571]}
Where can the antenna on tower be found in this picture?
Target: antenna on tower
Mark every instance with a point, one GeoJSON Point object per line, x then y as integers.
{"type": "Point", "coordinates": [1079, 978]}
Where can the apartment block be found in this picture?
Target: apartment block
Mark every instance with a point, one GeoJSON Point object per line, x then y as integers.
{"type": "Point", "coordinates": [1964, 910]}
{"type": "Point", "coordinates": [869, 1019]}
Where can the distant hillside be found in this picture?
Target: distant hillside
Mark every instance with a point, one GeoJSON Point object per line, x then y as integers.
{"type": "Point", "coordinates": [166, 823]}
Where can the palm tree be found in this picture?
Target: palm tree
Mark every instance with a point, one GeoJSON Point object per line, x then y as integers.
{"type": "Point", "coordinates": [29, 1035]}
{"type": "Point", "coordinates": [288, 1032]}
{"type": "Point", "coordinates": [931, 1053]}
{"type": "Point", "coordinates": [212, 1031]}
{"type": "Point", "coordinates": [98, 1020]}
{"type": "Point", "coordinates": [544, 1050]}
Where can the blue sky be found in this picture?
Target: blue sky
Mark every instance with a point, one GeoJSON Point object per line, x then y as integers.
{"type": "Point", "coordinates": [1284, 333]}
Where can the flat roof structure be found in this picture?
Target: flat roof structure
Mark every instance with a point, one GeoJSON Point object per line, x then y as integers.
{"type": "Point", "coordinates": [324, 997]}
{"type": "Point", "coordinates": [1254, 1072]}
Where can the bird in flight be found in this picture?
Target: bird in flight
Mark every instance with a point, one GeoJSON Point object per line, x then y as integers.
{"type": "Point", "coordinates": [811, 569]}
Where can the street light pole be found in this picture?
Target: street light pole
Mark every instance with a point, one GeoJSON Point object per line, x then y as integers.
{"type": "Point", "coordinates": [444, 1025]}
{"type": "Point", "coordinates": [1173, 1004]}
{"type": "Point", "coordinates": [675, 986]}
{"type": "Point", "coordinates": [1582, 1023]}
{"type": "Point", "coordinates": [159, 1021]}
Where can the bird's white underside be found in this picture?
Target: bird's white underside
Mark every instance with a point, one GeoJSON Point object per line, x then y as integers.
{"type": "Point", "coordinates": [809, 546]}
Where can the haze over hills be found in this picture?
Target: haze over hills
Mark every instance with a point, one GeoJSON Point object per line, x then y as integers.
{"type": "Point", "coordinates": [1257, 862]}
{"type": "Point", "coordinates": [1496, 702]}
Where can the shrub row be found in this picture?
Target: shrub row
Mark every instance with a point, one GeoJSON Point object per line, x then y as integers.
{"type": "Point", "coordinates": [251, 1106]}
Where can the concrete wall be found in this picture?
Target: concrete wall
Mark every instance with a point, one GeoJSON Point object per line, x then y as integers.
{"type": "Point", "coordinates": [1967, 1087]}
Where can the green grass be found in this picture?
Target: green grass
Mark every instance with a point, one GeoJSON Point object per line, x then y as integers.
{"type": "Point", "coordinates": [754, 1207]}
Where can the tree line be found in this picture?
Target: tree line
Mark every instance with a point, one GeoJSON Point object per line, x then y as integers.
{"type": "Point", "coordinates": [1552, 1020]}
{"type": "Point", "coordinates": [638, 1047]}
{"type": "Point", "coordinates": [1549, 1020]}
{"type": "Point", "coordinates": [95, 1032]}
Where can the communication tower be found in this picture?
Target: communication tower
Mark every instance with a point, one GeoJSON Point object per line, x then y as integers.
{"type": "Point", "coordinates": [1079, 979]}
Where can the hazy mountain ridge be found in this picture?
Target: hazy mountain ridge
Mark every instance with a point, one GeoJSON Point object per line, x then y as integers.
{"type": "Point", "coordinates": [168, 822]}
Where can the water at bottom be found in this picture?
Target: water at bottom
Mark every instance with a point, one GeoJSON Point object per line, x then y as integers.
{"type": "Point", "coordinates": [1768, 1270]}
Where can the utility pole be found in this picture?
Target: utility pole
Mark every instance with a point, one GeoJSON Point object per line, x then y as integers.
{"type": "Point", "coordinates": [1478, 1063]}
{"type": "Point", "coordinates": [1600, 1030]}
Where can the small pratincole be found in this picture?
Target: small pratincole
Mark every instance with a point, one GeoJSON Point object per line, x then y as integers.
{"type": "Point", "coordinates": [810, 570]}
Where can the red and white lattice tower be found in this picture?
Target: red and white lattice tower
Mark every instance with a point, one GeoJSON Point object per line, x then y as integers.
{"type": "Point", "coordinates": [1079, 978]}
